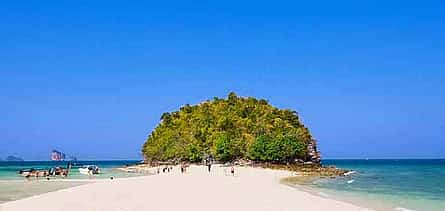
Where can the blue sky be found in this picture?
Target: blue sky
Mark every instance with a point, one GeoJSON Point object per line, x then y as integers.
{"type": "Point", "coordinates": [92, 78]}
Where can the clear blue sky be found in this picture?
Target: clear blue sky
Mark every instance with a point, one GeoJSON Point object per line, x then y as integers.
{"type": "Point", "coordinates": [92, 78]}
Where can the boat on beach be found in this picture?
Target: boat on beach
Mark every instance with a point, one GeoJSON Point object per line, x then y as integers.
{"type": "Point", "coordinates": [89, 170]}
{"type": "Point", "coordinates": [58, 171]}
{"type": "Point", "coordinates": [32, 172]}
{"type": "Point", "coordinates": [55, 171]}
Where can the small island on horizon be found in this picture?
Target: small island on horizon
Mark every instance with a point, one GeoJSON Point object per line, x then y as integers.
{"type": "Point", "coordinates": [12, 158]}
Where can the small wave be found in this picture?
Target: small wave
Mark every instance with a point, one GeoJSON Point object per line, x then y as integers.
{"type": "Point", "coordinates": [350, 181]}
{"type": "Point", "coordinates": [403, 209]}
{"type": "Point", "coordinates": [323, 194]}
{"type": "Point", "coordinates": [349, 173]}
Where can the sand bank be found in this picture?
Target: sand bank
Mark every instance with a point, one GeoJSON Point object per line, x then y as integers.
{"type": "Point", "coordinates": [250, 189]}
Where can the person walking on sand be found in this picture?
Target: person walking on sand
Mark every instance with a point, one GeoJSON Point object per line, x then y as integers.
{"type": "Point", "coordinates": [208, 163]}
{"type": "Point", "coordinates": [232, 171]}
{"type": "Point", "coordinates": [90, 173]}
{"type": "Point", "coordinates": [183, 168]}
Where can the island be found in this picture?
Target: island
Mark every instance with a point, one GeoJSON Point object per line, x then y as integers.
{"type": "Point", "coordinates": [12, 158]}
{"type": "Point", "coordinates": [237, 130]}
{"type": "Point", "coordinates": [232, 129]}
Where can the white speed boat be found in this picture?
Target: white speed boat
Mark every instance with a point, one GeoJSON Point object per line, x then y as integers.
{"type": "Point", "coordinates": [89, 170]}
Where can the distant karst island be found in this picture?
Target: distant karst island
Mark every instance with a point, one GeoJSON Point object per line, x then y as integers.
{"type": "Point", "coordinates": [12, 158]}
{"type": "Point", "coordinates": [236, 129]}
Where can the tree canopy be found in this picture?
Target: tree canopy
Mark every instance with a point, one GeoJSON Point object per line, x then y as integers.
{"type": "Point", "coordinates": [230, 129]}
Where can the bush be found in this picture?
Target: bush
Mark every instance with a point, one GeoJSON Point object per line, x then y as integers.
{"type": "Point", "coordinates": [195, 155]}
{"type": "Point", "coordinates": [226, 149]}
{"type": "Point", "coordinates": [279, 149]}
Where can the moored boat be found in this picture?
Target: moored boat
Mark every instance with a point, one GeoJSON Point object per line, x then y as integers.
{"type": "Point", "coordinates": [33, 173]}
{"type": "Point", "coordinates": [89, 170]}
{"type": "Point", "coordinates": [58, 171]}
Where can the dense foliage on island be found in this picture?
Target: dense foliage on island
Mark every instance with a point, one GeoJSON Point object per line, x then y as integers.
{"type": "Point", "coordinates": [231, 129]}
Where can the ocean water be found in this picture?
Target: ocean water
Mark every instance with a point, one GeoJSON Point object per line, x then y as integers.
{"type": "Point", "coordinates": [8, 170]}
{"type": "Point", "coordinates": [13, 186]}
{"type": "Point", "coordinates": [388, 184]}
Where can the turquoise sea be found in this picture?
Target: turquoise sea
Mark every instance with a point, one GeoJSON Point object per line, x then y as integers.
{"type": "Point", "coordinates": [13, 187]}
{"type": "Point", "coordinates": [388, 184]}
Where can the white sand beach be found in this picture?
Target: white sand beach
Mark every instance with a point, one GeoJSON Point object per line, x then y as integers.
{"type": "Point", "coordinates": [250, 189]}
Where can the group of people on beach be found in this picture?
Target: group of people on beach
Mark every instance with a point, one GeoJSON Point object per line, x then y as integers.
{"type": "Point", "coordinates": [165, 169]}
{"type": "Point", "coordinates": [168, 169]}
{"type": "Point", "coordinates": [232, 169]}
{"type": "Point", "coordinates": [208, 163]}
{"type": "Point", "coordinates": [183, 167]}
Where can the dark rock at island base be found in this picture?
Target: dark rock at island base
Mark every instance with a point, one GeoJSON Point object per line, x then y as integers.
{"type": "Point", "coordinates": [12, 158]}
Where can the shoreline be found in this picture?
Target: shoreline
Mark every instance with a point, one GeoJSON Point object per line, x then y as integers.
{"type": "Point", "coordinates": [20, 188]}
{"type": "Point", "coordinates": [249, 189]}
{"type": "Point", "coordinates": [303, 185]}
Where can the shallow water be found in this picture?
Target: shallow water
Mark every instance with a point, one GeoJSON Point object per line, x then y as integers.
{"type": "Point", "coordinates": [15, 189]}
{"type": "Point", "coordinates": [388, 184]}
{"type": "Point", "coordinates": [8, 170]}
{"type": "Point", "coordinates": [13, 186]}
